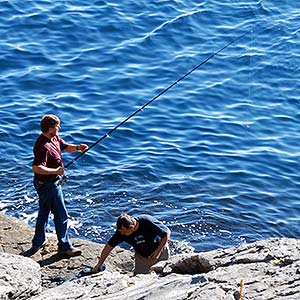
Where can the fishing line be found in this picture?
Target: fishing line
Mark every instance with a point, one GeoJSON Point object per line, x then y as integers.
{"type": "Point", "coordinates": [64, 177]}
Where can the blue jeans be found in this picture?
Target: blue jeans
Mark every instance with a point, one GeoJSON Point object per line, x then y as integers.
{"type": "Point", "coordinates": [51, 200]}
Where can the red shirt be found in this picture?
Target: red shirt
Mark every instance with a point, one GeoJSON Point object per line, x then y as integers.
{"type": "Point", "coordinates": [48, 153]}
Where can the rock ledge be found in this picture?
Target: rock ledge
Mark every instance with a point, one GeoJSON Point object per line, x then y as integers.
{"type": "Point", "coordinates": [263, 270]}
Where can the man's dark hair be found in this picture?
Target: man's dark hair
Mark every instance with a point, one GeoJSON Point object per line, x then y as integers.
{"type": "Point", "coordinates": [49, 121]}
{"type": "Point", "coordinates": [125, 221]}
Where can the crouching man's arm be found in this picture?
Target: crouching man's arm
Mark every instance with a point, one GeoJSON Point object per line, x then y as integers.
{"type": "Point", "coordinates": [155, 255]}
{"type": "Point", "coordinates": [104, 253]}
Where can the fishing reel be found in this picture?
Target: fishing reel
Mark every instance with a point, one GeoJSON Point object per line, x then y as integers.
{"type": "Point", "coordinates": [62, 179]}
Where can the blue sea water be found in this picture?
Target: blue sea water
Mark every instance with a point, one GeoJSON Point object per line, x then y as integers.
{"type": "Point", "coordinates": [216, 157]}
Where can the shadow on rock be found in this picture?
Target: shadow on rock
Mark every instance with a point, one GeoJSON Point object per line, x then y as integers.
{"type": "Point", "coordinates": [52, 259]}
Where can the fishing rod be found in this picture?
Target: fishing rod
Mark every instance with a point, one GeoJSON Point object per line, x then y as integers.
{"type": "Point", "coordinates": [64, 177]}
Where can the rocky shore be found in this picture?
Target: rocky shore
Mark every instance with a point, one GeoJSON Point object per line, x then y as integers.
{"type": "Point", "coordinates": [263, 270]}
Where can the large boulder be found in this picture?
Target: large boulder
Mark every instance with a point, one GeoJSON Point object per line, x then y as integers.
{"type": "Point", "coordinates": [20, 277]}
{"type": "Point", "coordinates": [268, 269]}
{"type": "Point", "coordinates": [115, 286]}
{"type": "Point", "coordinates": [264, 270]}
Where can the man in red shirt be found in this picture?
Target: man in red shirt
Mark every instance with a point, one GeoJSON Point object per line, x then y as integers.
{"type": "Point", "coordinates": [47, 167]}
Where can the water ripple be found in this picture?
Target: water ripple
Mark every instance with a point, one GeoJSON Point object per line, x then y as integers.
{"type": "Point", "coordinates": [215, 157]}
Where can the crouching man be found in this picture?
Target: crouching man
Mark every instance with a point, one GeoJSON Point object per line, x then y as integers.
{"type": "Point", "coordinates": [148, 236]}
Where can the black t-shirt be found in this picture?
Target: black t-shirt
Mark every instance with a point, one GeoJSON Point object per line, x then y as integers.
{"type": "Point", "coordinates": [145, 239]}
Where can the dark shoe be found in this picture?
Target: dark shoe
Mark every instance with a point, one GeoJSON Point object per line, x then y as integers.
{"type": "Point", "coordinates": [70, 253]}
{"type": "Point", "coordinates": [32, 250]}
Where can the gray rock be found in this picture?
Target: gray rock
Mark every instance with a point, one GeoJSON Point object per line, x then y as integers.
{"type": "Point", "coordinates": [115, 286]}
{"type": "Point", "coordinates": [269, 269]}
{"type": "Point", "coordinates": [16, 236]}
{"type": "Point", "coordinates": [264, 270]}
{"type": "Point", "coordinates": [20, 278]}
